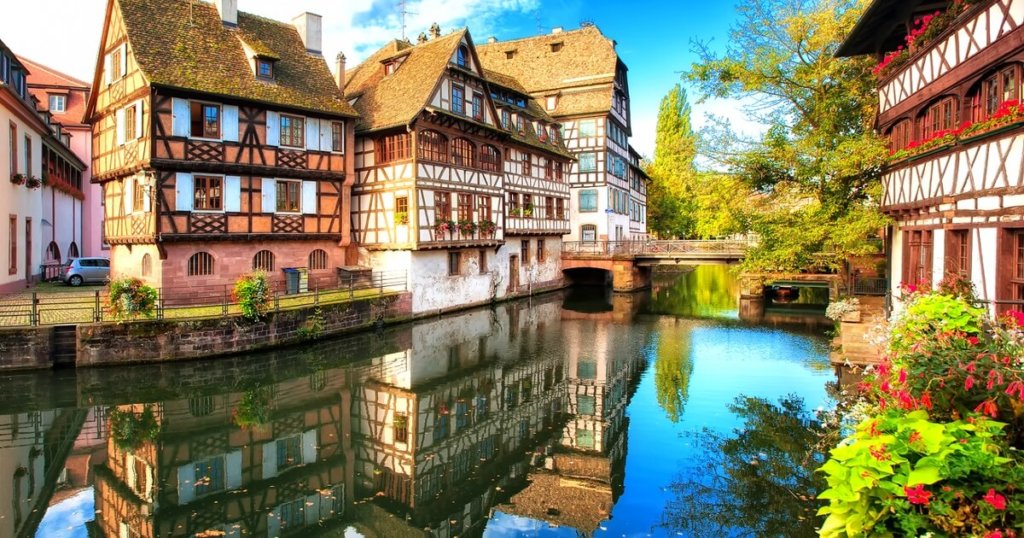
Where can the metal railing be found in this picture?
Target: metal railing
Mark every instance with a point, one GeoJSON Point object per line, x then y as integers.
{"type": "Point", "coordinates": [192, 302]}
{"type": "Point", "coordinates": [877, 286]}
{"type": "Point", "coordinates": [715, 248]}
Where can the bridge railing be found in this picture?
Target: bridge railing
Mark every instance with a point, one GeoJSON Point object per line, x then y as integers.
{"type": "Point", "coordinates": [665, 248]}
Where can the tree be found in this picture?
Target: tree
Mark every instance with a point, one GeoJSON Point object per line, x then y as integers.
{"type": "Point", "coordinates": [818, 163]}
{"type": "Point", "coordinates": [669, 206]}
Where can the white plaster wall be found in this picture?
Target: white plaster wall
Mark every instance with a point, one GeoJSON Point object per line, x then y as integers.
{"type": "Point", "coordinates": [63, 217]}
{"type": "Point", "coordinates": [19, 201]}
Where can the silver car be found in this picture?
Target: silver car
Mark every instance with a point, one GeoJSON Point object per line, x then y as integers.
{"type": "Point", "coordinates": [81, 270]}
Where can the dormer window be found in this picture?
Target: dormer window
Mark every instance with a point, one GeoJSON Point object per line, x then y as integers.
{"type": "Point", "coordinates": [461, 58]}
{"type": "Point", "coordinates": [509, 54]}
{"type": "Point", "coordinates": [58, 103]}
{"type": "Point", "coordinates": [264, 68]}
{"type": "Point", "coordinates": [555, 47]}
{"type": "Point", "coordinates": [390, 67]}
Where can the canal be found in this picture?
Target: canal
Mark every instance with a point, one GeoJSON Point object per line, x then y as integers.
{"type": "Point", "coordinates": [579, 413]}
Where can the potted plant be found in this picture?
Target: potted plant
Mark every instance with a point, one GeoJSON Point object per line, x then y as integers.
{"type": "Point", "coordinates": [467, 228]}
{"type": "Point", "coordinates": [845, 309]}
{"type": "Point", "coordinates": [18, 179]}
{"type": "Point", "coordinates": [444, 226]}
{"type": "Point", "coordinates": [130, 430]}
{"type": "Point", "coordinates": [528, 211]}
{"type": "Point", "coordinates": [515, 212]}
{"type": "Point", "coordinates": [486, 228]}
{"type": "Point", "coordinates": [33, 182]}
{"type": "Point", "coordinates": [401, 217]}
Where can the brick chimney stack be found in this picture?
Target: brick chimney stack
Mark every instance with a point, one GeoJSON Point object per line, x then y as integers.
{"type": "Point", "coordinates": [310, 27]}
{"type": "Point", "coordinates": [339, 77]}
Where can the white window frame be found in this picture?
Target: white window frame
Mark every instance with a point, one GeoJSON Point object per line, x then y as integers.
{"type": "Point", "coordinates": [280, 131]}
{"type": "Point", "coordinates": [60, 98]}
{"type": "Point", "coordinates": [277, 211]}
{"type": "Point", "coordinates": [223, 182]}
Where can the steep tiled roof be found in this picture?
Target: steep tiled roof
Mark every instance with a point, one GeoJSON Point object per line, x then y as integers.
{"type": "Point", "coordinates": [43, 80]}
{"type": "Point", "coordinates": [396, 99]}
{"type": "Point", "coordinates": [184, 44]}
{"type": "Point", "coordinates": [580, 64]}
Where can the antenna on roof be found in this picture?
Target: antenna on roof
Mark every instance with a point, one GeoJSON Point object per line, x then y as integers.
{"type": "Point", "coordinates": [403, 11]}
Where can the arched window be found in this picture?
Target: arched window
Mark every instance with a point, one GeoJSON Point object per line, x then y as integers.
{"type": "Point", "coordinates": [463, 153]}
{"type": "Point", "coordinates": [462, 57]}
{"type": "Point", "coordinates": [490, 158]}
{"type": "Point", "coordinates": [147, 265]}
{"type": "Point", "coordinates": [263, 261]}
{"type": "Point", "coordinates": [318, 260]}
{"type": "Point", "coordinates": [899, 135]}
{"type": "Point", "coordinates": [995, 89]}
{"type": "Point", "coordinates": [53, 253]}
{"type": "Point", "coordinates": [432, 146]}
{"type": "Point", "coordinates": [200, 264]}
{"type": "Point", "coordinates": [73, 250]}
{"type": "Point", "coordinates": [943, 114]}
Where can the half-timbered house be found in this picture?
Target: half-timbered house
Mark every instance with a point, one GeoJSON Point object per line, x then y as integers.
{"type": "Point", "coordinates": [222, 143]}
{"type": "Point", "coordinates": [437, 153]}
{"type": "Point", "coordinates": [949, 102]}
{"type": "Point", "coordinates": [581, 82]}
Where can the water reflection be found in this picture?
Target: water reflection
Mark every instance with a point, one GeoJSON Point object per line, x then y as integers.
{"type": "Point", "coordinates": [706, 291]}
{"type": "Point", "coordinates": [537, 414]}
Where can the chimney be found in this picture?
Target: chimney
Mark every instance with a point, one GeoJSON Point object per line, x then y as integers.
{"type": "Point", "coordinates": [557, 30]}
{"type": "Point", "coordinates": [228, 10]}
{"type": "Point", "coordinates": [339, 77]}
{"type": "Point", "coordinates": [310, 27]}
{"type": "Point", "coordinates": [492, 39]}
{"type": "Point", "coordinates": [435, 31]}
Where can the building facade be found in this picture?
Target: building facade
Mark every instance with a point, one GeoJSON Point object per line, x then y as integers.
{"type": "Point", "coordinates": [228, 153]}
{"type": "Point", "coordinates": [460, 175]}
{"type": "Point", "coordinates": [579, 79]}
{"type": "Point", "coordinates": [75, 215]}
{"type": "Point", "coordinates": [36, 165]}
{"type": "Point", "coordinates": [950, 108]}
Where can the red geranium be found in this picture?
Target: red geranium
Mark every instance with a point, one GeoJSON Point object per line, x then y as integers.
{"type": "Point", "coordinates": [918, 495]}
{"type": "Point", "coordinates": [996, 500]}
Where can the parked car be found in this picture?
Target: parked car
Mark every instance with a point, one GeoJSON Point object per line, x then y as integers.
{"type": "Point", "coordinates": [82, 270]}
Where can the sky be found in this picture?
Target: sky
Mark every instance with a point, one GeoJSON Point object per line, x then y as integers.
{"type": "Point", "coordinates": [654, 36]}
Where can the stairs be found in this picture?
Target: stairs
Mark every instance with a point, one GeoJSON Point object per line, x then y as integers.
{"type": "Point", "coordinates": [855, 347]}
{"type": "Point", "coordinates": [65, 346]}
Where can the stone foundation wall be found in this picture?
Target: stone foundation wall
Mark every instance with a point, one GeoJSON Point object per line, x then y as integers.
{"type": "Point", "coordinates": [152, 341]}
{"type": "Point", "coordinates": [26, 348]}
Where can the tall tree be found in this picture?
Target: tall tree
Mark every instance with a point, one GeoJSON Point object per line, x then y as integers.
{"type": "Point", "coordinates": [670, 204]}
{"type": "Point", "coordinates": [817, 165]}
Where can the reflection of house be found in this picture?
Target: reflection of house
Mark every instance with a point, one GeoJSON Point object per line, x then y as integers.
{"type": "Point", "coordinates": [284, 473]}
{"type": "Point", "coordinates": [439, 431]}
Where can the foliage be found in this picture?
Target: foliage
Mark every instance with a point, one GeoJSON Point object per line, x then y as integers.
{"type": "Point", "coordinates": [130, 298]}
{"type": "Point", "coordinates": [253, 410]}
{"type": "Point", "coordinates": [707, 291]}
{"type": "Point", "coordinates": [486, 227]}
{"type": "Point", "coordinates": [672, 371]}
{"type": "Point", "coordinates": [33, 182]}
{"type": "Point", "coordinates": [18, 179]}
{"type": "Point", "coordinates": [467, 227]}
{"type": "Point", "coordinates": [401, 217]}
{"type": "Point", "coordinates": [837, 310]}
{"type": "Point", "coordinates": [252, 292]}
{"type": "Point", "coordinates": [130, 430]}
{"type": "Point", "coordinates": [314, 326]}
{"type": "Point", "coordinates": [923, 30]}
{"type": "Point", "coordinates": [444, 226]}
{"type": "Point", "coordinates": [934, 314]}
{"type": "Point", "coordinates": [761, 478]}
{"type": "Point", "coordinates": [817, 165]}
{"type": "Point", "coordinates": [1009, 113]}
{"type": "Point", "coordinates": [669, 202]}
{"type": "Point", "coordinates": [902, 474]}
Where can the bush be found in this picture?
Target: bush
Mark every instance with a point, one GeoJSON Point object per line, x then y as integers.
{"type": "Point", "coordinates": [252, 292]}
{"type": "Point", "coordinates": [130, 298]}
{"type": "Point", "coordinates": [129, 430]}
{"type": "Point", "coordinates": [934, 314]}
{"type": "Point", "coordinates": [838, 309]}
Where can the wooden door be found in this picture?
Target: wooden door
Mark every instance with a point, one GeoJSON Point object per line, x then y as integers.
{"type": "Point", "coordinates": [513, 273]}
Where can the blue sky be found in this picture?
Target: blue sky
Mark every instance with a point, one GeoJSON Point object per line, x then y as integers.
{"type": "Point", "coordinates": [653, 36]}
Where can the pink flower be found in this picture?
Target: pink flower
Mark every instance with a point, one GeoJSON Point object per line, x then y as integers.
{"type": "Point", "coordinates": [996, 500]}
{"type": "Point", "coordinates": [918, 495]}
{"type": "Point", "coordinates": [994, 534]}
{"type": "Point", "coordinates": [903, 376]}
{"type": "Point", "coordinates": [973, 340]}
{"type": "Point", "coordinates": [987, 407]}
{"type": "Point", "coordinates": [969, 382]}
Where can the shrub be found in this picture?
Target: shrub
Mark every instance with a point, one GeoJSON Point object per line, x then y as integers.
{"type": "Point", "coordinates": [129, 430]}
{"type": "Point", "coordinates": [253, 410]}
{"type": "Point", "coordinates": [838, 309]}
{"type": "Point", "coordinates": [904, 475]}
{"type": "Point", "coordinates": [932, 314]}
{"type": "Point", "coordinates": [130, 298]}
{"type": "Point", "coordinates": [252, 292]}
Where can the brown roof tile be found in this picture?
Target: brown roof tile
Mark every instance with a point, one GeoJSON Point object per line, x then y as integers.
{"type": "Point", "coordinates": [183, 44]}
{"type": "Point", "coordinates": [43, 80]}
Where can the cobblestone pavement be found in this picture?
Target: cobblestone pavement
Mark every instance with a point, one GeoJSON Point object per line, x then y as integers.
{"type": "Point", "coordinates": [56, 304]}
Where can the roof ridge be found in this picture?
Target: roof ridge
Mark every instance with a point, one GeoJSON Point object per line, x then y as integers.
{"type": "Point", "coordinates": [540, 36]}
{"type": "Point", "coordinates": [53, 71]}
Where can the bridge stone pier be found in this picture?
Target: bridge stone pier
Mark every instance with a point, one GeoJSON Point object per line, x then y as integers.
{"type": "Point", "coordinates": [629, 263]}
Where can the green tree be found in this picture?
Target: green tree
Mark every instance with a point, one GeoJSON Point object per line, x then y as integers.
{"type": "Point", "coordinates": [670, 207]}
{"type": "Point", "coordinates": [817, 165]}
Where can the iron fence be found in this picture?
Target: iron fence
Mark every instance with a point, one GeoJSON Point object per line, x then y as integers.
{"type": "Point", "coordinates": [877, 286]}
{"type": "Point", "coordinates": [193, 302]}
{"type": "Point", "coordinates": [729, 247]}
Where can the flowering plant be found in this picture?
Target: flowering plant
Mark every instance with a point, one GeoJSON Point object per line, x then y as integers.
{"type": "Point", "coordinates": [837, 310]}
{"type": "Point", "coordinates": [444, 226]}
{"type": "Point", "coordinates": [486, 227]}
{"type": "Point", "coordinates": [33, 182]}
{"type": "Point", "coordinates": [467, 227]}
{"type": "Point", "coordinates": [18, 179]}
{"type": "Point", "coordinates": [252, 292]}
{"type": "Point", "coordinates": [923, 30]}
{"type": "Point", "coordinates": [131, 298]}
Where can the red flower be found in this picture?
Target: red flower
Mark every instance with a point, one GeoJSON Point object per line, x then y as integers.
{"type": "Point", "coordinates": [1016, 316]}
{"type": "Point", "coordinates": [926, 400]}
{"type": "Point", "coordinates": [969, 382]}
{"type": "Point", "coordinates": [915, 436]}
{"type": "Point", "coordinates": [973, 340]}
{"type": "Point", "coordinates": [994, 534]}
{"type": "Point", "coordinates": [879, 453]}
{"type": "Point", "coordinates": [996, 500]}
{"type": "Point", "coordinates": [987, 407]}
{"type": "Point", "coordinates": [918, 495]}
{"type": "Point", "coordinates": [903, 376]}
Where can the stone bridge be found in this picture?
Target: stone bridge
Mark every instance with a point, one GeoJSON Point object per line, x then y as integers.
{"type": "Point", "coordinates": [630, 262]}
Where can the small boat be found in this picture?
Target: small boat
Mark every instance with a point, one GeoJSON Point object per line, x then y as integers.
{"type": "Point", "coordinates": [784, 294]}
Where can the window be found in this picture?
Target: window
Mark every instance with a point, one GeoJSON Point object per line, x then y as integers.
{"type": "Point", "coordinates": [442, 206]}
{"type": "Point", "coordinates": [392, 148]}
{"type": "Point", "coordinates": [116, 71]}
{"type": "Point", "coordinates": [462, 56]}
{"type": "Point", "coordinates": [506, 118]}
{"type": "Point", "coordinates": [1016, 238]}
{"type": "Point", "coordinates": [264, 68]}
{"type": "Point", "coordinates": [558, 172]}
{"type": "Point", "coordinates": [200, 406]}
{"type": "Point", "coordinates": [513, 202]}
{"type": "Point", "coordinates": [478, 107]}
{"type": "Point", "coordinates": [918, 258]}
{"type": "Point", "coordinates": [490, 158]}
{"type": "Point", "coordinates": [465, 208]}
{"type": "Point", "coordinates": [73, 251]}
{"type": "Point", "coordinates": [289, 452]}
{"type": "Point", "coordinates": [552, 102]}
{"type": "Point", "coordinates": [586, 370]}
{"type": "Point", "coordinates": [130, 125]}
{"type": "Point", "coordinates": [584, 438]}
{"type": "Point", "coordinates": [958, 253]}
{"type": "Point", "coordinates": [559, 208]}
{"type": "Point", "coordinates": [138, 196]}
{"type": "Point", "coordinates": [58, 104]}
{"type": "Point", "coordinates": [432, 146]}
{"type": "Point", "coordinates": [293, 131]}
{"type": "Point", "coordinates": [454, 261]}
{"type": "Point", "coordinates": [207, 193]}
{"type": "Point", "coordinates": [540, 251]}
{"type": "Point", "coordinates": [549, 169]}
{"type": "Point", "coordinates": [458, 100]}
{"type": "Point", "coordinates": [318, 260]}
{"type": "Point", "coordinates": [390, 67]}
{"type": "Point", "coordinates": [899, 136]}
{"type": "Point", "coordinates": [338, 137]}
{"type": "Point", "coordinates": [293, 515]}
{"type": "Point", "coordinates": [999, 87]}
{"type": "Point", "coordinates": [524, 251]}
{"type": "Point", "coordinates": [482, 258]}
{"type": "Point", "coordinates": [401, 427]}
{"type": "Point", "coordinates": [289, 196]}
{"type": "Point", "coordinates": [147, 265]}
{"type": "Point", "coordinates": [588, 232]}
{"type": "Point", "coordinates": [13, 154]}
{"type": "Point", "coordinates": [12, 240]}
{"type": "Point", "coordinates": [588, 162]}
{"type": "Point", "coordinates": [526, 163]}
{"type": "Point", "coordinates": [527, 205]}
{"type": "Point", "coordinates": [549, 207]}
{"type": "Point", "coordinates": [205, 120]}
{"type": "Point", "coordinates": [588, 128]}
{"type": "Point", "coordinates": [463, 153]}
{"type": "Point", "coordinates": [263, 261]}
{"type": "Point", "coordinates": [200, 264]}
{"type": "Point", "coordinates": [483, 208]}
{"type": "Point", "coordinates": [209, 476]}
{"type": "Point", "coordinates": [940, 116]}
{"type": "Point", "coordinates": [588, 200]}
{"type": "Point", "coordinates": [28, 155]}
{"type": "Point", "coordinates": [585, 404]}
{"type": "Point", "coordinates": [402, 210]}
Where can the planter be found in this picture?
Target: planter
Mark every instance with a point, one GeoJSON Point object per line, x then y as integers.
{"type": "Point", "coordinates": [991, 132]}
